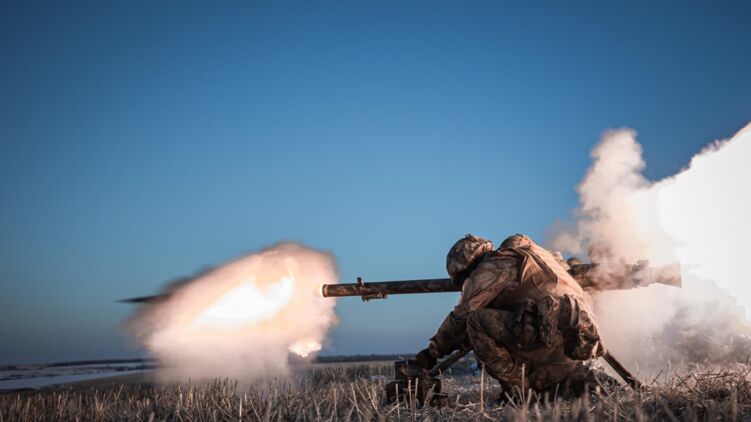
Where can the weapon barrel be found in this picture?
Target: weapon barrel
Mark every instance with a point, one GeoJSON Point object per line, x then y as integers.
{"type": "Point", "coordinates": [589, 276]}
{"type": "Point", "coordinates": [379, 290]}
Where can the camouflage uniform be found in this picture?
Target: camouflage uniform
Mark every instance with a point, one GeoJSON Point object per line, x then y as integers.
{"type": "Point", "coordinates": [527, 320]}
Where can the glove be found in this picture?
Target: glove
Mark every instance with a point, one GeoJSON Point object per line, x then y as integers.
{"type": "Point", "coordinates": [425, 359]}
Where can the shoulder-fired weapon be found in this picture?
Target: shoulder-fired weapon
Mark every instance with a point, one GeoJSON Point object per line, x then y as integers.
{"type": "Point", "coordinates": [592, 277]}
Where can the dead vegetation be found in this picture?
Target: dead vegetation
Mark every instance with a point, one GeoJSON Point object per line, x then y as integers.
{"type": "Point", "coordinates": [355, 392]}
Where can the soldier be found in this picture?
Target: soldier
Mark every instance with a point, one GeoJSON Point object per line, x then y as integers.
{"type": "Point", "coordinates": [527, 320]}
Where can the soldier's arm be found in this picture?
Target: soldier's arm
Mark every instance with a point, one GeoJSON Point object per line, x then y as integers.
{"type": "Point", "coordinates": [489, 279]}
{"type": "Point", "coordinates": [451, 334]}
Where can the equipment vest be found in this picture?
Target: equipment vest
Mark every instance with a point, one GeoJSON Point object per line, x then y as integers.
{"type": "Point", "coordinates": [540, 275]}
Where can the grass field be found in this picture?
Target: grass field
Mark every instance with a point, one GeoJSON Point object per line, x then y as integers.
{"type": "Point", "coordinates": [355, 392]}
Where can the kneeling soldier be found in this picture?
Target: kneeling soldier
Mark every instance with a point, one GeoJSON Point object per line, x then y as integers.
{"type": "Point", "coordinates": [526, 319]}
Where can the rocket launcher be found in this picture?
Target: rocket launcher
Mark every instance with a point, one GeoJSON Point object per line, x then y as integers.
{"type": "Point", "coordinates": [591, 277]}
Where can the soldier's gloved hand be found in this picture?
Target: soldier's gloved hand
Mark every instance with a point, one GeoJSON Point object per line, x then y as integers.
{"type": "Point", "coordinates": [425, 359]}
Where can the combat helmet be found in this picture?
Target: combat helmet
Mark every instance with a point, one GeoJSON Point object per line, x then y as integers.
{"type": "Point", "coordinates": [464, 254]}
{"type": "Point", "coordinates": [518, 240]}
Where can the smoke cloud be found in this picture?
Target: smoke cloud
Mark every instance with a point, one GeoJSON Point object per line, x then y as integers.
{"type": "Point", "coordinates": [242, 319]}
{"type": "Point", "coordinates": [698, 217]}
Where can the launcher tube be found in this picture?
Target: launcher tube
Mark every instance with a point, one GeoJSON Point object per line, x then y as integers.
{"type": "Point", "coordinates": [592, 277]}
{"type": "Point", "coordinates": [381, 289]}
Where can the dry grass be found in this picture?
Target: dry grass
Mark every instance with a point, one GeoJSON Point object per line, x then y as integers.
{"type": "Point", "coordinates": [354, 392]}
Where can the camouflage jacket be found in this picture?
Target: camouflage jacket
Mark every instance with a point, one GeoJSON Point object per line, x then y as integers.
{"type": "Point", "coordinates": [518, 273]}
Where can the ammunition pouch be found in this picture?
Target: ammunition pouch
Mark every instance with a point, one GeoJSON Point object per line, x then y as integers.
{"type": "Point", "coordinates": [581, 337]}
{"type": "Point", "coordinates": [565, 322]}
{"type": "Point", "coordinates": [527, 326]}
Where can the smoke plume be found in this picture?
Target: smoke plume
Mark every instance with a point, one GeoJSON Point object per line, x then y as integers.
{"type": "Point", "coordinates": [698, 217]}
{"type": "Point", "coordinates": [242, 319]}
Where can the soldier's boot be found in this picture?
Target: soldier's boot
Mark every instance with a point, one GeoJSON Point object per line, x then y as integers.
{"type": "Point", "coordinates": [489, 331]}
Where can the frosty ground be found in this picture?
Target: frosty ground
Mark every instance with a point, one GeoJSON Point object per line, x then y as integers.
{"type": "Point", "coordinates": [354, 391]}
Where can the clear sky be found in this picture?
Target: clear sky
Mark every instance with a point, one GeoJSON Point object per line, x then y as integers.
{"type": "Point", "coordinates": [140, 141]}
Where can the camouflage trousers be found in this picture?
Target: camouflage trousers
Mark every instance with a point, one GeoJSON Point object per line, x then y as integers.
{"type": "Point", "coordinates": [507, 344]}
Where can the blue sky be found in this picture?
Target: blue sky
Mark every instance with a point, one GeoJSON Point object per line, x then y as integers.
{"type": "Point", "coordinates": [141, 141]}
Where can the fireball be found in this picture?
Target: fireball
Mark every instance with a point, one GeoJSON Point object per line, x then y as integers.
{"type": "Point", "coordinates": [243, 318]}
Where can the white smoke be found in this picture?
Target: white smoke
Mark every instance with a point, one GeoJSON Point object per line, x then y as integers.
{"type": "Point", "coordinates": [243, 319]}
{"type": "Point", "coordinates": [698, 217]}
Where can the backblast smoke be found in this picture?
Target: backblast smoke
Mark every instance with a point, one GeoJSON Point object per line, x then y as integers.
{"type": "Point", "coordinates": [242, 319]}
{"type": "Point", "coordinates": [699, 217]}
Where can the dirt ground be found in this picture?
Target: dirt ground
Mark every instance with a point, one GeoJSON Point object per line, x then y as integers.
{"type": "Point", "coordinates": [355, 391]}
